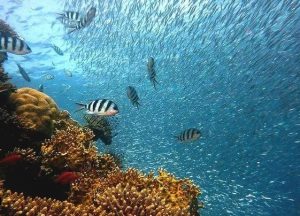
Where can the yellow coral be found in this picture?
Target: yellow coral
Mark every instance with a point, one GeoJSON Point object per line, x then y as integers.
{"type": "Point", "coordinates": [71, 148]}
{"type": "Point", "coordinates": [37, 108]}
{"type": "Point", "coordinates": [132, 193]}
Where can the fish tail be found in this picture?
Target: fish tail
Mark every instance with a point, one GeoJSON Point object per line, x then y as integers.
{"type": "Point", "coordinates": [81, 106]}
{"type": "Point", "coordinates": [155, 83]}
{"type": "Point", "coordinates": [138, 105]}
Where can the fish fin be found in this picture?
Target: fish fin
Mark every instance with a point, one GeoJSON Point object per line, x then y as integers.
{"type": "Point", "coordinates": [81, 106]}
{"type": "Point", "coordinates": [71, 30]}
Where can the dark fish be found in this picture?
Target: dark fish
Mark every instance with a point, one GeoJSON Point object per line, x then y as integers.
{"type": "Point", "coordinates": [57, 50]}
{"type": "Point", "coordinates": [23, 73]}
{"type": "Point", "coordinates": [102, 127]}
{"type": "Point", "coordinates": [11, 42]}
{"type": "Point", "coordinates": [151, 71]}
{"type": "Point", "coordinates": [133, 96]}
{"type": "Point", "coordinates": [102, 107]}
{"type": "Point", "coordinates": [83, 22]}
{"type": "Point", "coordinates": [189, 135]}
{"type": "Point", "coordinates": [41, 88]}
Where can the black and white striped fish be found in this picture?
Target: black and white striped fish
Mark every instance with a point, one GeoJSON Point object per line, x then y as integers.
{"type": "Point", "coordinates": [10, 41]}
{"type": "Point", "coordinates": [133, 96]}
{"type": "Point", "coordinates": [57, 50]}
{"type": "Point", "coordinates": [189, 135]}
{"type": "Point", "coordinates": [151, 71]}
{"type": "Point", "coordinates": [69, 15]}
{"type": "Point", "coordinates": [84, 21]}
{"type": "Point", "coordinates": [100, 107]}
{"type": "Point", "coordinates": [13, 44]}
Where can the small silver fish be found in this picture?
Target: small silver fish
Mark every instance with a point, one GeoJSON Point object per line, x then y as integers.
{"type": "Point", "coordinates": [49, 77]}
{"type": "Point", "coordinates": [133, 96]}
{"type": "Point", "coordinates": [151, 71]}
{"type": "Point", "coordinates": [100, 107]}
{"type": "Point", "coordinates": [189, 135]}
{"type": "Point", "coordinates": [23, 73]}
{"type": "Point", "coordinates": [57, 50]}
{"type": "Point", "coordinates": [68, 73]}
{"type": "Point", "coordinates": [41, 88]}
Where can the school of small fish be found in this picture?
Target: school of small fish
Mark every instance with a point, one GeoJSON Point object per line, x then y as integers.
{"type": "Point", "coordinates": [200, 53]}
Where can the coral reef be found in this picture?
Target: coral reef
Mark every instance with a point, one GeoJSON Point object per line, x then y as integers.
{"type": "Point", "coordinates": [101, 127]}
{"type": "Point", "coordinates": [70, 148]}
{"type": "Point", "coordinates": [51, 166]}
{"type": "Point", "coordinates": [5, 87]}
{"type": "Point", "coordinates": [36, 107]}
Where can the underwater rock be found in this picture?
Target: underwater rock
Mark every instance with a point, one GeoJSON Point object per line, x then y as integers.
{"type": "Point", "coordinates": [37, 108]}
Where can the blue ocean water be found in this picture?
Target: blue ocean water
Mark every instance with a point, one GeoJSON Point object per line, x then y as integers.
{"type": "Point", "coordinates": [229, 68]}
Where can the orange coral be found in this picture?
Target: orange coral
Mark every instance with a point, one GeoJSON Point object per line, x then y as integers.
{"type": "Point", "coordinates": [71, 148]}
{"type": "Point", "coordinates": [132, 193]}
{"type": "Point", "coordinates": [36, 107]}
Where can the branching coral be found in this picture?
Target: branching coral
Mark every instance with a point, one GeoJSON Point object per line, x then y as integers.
{"type": "Point", "coordinates": [132, 193]}
{"type": "Point", "coordinates": [5, 87]}
{"type": "Point", "coordinates": [71, 148]}
{"type": "Point", "coordinates": [13, 131]}
{"type": "Point", "coordinates": [36, 107]}
{"type": "Point", "coordinates": [45, 169]}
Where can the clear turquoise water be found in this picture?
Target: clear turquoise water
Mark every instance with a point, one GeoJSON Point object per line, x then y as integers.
{"type": "Point", "coordinates": [229, 68]}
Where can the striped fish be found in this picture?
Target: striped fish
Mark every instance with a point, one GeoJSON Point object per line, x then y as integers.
{"type": "Point", "coordinates": [83, 22]}
{"type": "Point", "coordinates": [23, 73]}
{"type": "Point", "coordinates": [70, 15]}
{"type": "Point", "coordinates": [100, 107]}
{"type": "Point", "coordinates": [13, 44]}
{"type": "Point", "coordinates": [151, 71]}
{"type": "Point", "coordinates": [189, 135]}
{"type": "Point", "coordinates": [10, 41]}
{"type": "Point", "coordinates": [57, 50]}
{"type": "Point", "coordinates": [69, 18]}
{"type": "Point", "coordinates": [133, 96]}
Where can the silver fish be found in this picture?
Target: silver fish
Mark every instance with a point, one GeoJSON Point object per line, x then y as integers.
{"type": "Point", "coordinates": [23, 73]}
{"type": "Point", "coordinates": [189, 135]}
{"type": "Point", "coordinates": [151, 71]}
{"type": "Point", "coordinates": [41, 88]}
{"type": "Point", "coordinates": [57, 50]}
{"type": "Point", "coordinates": [68, 73]}
{"type": "Point", "coordinates": [133, 96]}
{"type": "Point", "coordinates": [49, 77]}
{"type": "Point", "coordinates": [100, 107]}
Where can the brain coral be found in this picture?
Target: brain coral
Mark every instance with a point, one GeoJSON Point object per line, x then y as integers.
{"type": "Point", "coordinates": [37, 108]}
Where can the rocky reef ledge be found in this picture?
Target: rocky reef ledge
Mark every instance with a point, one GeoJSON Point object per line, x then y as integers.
{"type": "Point", "coordinates": [49, 165]}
